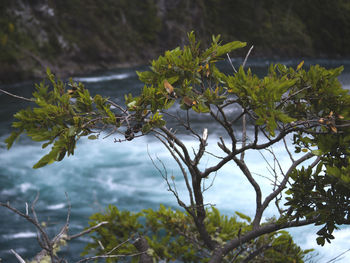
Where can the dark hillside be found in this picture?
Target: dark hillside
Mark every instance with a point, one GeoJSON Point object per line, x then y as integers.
{"type": "Point", "coordinates": [73, 36]}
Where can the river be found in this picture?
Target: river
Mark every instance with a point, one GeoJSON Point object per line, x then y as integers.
{"type": "Point", "coordinates": [103, 172]}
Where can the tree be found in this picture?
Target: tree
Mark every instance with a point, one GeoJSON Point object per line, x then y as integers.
{"type": "Point", "coordinates": [304, 109]}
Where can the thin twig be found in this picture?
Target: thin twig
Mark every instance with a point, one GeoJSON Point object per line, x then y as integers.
{"type": "Point", "coordinates": [118, 246]}
{"type": "Point", "coordinates": [258, 194]}
{"type": "Point", "coordinates": [210, 185]}
{"type": "Point", "coordinates": [87, 231]}
{"type": "Point", "coordinates": [333, 259]}
{"type": "Point", "coordinates": [244, 134]}
{"type": "Point", "coordinates": [264, 176]}
{"type": "Point", "coordinates": [100, 244]}
{"type": "Point", "coordinates": [117, 106]}
{"type": "Point", "coordinates": [282, 185]}
{"type": "Point", "coordinates": [229, 60]}
{"type": "Point", "coordinates": [246, 57]}
{"type": "Point", "coordinates": [287, 149]}
{"type": "Point", "coordinates": [27, 209]}
{"type": "Point", "coordinates": [216, 156]}
{"type": "Point", "coordinates": [16, 96]}
{"type": "Point", "coordinates": [110, 256]}
{"type": "Point", "coordinates": [165, 176]}
{"type": "Point", "coordinates": [20, 259]}
{"type": "Point", "coordinates": [69, 208]}
{"type": "Point", "coordinates": [318, 159]}
{"type": "Point", "coordinates": [292, 95]}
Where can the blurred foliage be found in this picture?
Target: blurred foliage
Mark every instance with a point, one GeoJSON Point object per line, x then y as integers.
{"type": "Point", "coordinates": [171, 235]}
{"type": "Point", "coordinates": [76, 36]}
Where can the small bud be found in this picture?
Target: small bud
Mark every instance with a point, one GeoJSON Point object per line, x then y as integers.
{"type": "Point", "coordinates": [321, 120]}
{"type": "Point", "coordinates": [170, 89]}
{"type": "Point", "coordinates": [188, 101]}
{"type": "Point", "coordinates": [333, 128]}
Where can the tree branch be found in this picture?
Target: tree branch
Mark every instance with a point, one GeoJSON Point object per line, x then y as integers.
{"type": "Point", "coordinates": [220, 252]}
{"type": "Point", "coordinates": [16, 96]}
{"type": "Point", "coordinates": [19, 258]}
{"type": "Point", "coordinates": [248, 175]}
{"type": "Point", "coordinates": [184, 173]}
{"type": "Point", "coordinates": [280, 188]}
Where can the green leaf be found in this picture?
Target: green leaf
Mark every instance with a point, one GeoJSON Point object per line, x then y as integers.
{"type": "Point", "coordinates": [72, 130]}
{"type": "Point", "coordinates": [46, 144]}
{"type": "Point", "coordinates": [289, 192]}
{"type": "Point", "coordinates": [227, 48]}
{"type": "Point", "coordinates": [131, 104]}
{"type": "Point", "coordinates": [11, 139]}
{"type": "Point", "coordinates": [317, 152]}
{"type": "Point", "coordinates": [333, 171]}
{"type": "Point", "coordinates": [146, 128]}
{"type": "Point", "coordinates": [93, 137]}
{"type": "Point", "coordinates": [243, 216]}
{"type": "Point", "coordinates": [320, 241]}
{"type": "Point", "coordinates": [45, 160]}
{"type": "Point", "coordinates": [285, 118]}
{"type": "Point", "coordinates": [260, 121]}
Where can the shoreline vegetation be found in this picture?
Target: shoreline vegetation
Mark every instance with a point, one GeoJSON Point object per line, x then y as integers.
{"type": "Point", "coordinates": [79, 37]}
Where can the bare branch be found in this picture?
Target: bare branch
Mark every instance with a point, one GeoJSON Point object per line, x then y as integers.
{"type": "Point", "coordinates": [118, 246]}
{"type": "Point", "coordinates": [33, 207]}
{"type": "Point", "coordinates": [16, 96]}
{"type": "Point", "coordinates": [19, 258]}
{"type": "Point", "coordinates": [230, 61]}
{"type": "Point", "coordinates": [318, 159]}
{"type": "Point", "coordinates": [87, 231]}
{"type": "Point", "coordinates": [100, 244]}
{"type": "Point", "coordinates": [202, 145]}
{"type": "Point", "coordinates": [210, 185]}
{"type": "Point", "coordinates": [110, 256]}
{"type": "Point", "coordinates": [244, 134]}
{"type": "Point", "coordinates": [172, 138]}
{"type": "Point", "coordinates": [220, 164]}
{"type": "Point", "coordinates": [27, 217]}
{"type": "Point", "coordinates": [216, 156]}
{"type": "Point", "coordinates": [265, 177]}
{"type": "Point", "coordinates": [280, 188]}
{"type": "Point", "coordinates": [226, 125]}
{"type": "Point", "coordinates": [287, 149]}
{"type": "Point", "coordinates": [248, 175]}
{"type": "Point", "coordinates": [292, 95]}
{"type": "Point", "coordinates": [335, 258]}
{"type": "Point", "coordinates": [165, 176]}
{"type": "Point", "coordinates": [117, 106]}
{"type": "Point", "coordinates": [267, 228]}
{"type": "Point", "coordinates": [246, 57]}
{"type": "Point", "coordinates": [186, 125]}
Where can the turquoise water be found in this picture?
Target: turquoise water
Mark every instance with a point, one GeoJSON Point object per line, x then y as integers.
{"type": "Point", "coordinates": [103, 172]}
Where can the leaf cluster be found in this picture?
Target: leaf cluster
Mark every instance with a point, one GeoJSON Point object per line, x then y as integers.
{"type": "Point", "coordinates": [183, 75]}
{"type": "Point", "coordinates": [321, 195]}
{"type": "Point", "coordinates": [171, 235]}
{"type": "Point", "coordinates": [61, 117]}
